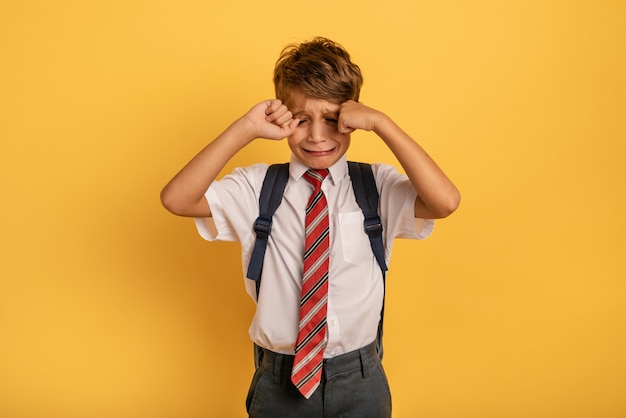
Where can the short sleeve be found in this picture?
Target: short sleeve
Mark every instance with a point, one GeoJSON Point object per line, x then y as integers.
{"type": "Point", "coordinates": [397, 205]}
{"type": "Point", "coordinates": [234, 205]}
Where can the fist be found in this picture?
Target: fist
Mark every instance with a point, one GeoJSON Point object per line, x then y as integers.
{"type": "Point", "coordinates": [354, 115]}
{"type": "Point", "coordinates": [271, 119]}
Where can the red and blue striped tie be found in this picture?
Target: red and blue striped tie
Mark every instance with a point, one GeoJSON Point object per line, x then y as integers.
{"type": "Point", "coordinates": [307, 367]}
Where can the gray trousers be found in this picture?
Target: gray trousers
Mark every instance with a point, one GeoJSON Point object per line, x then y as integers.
{"type": "Point", "coordinates": [353, 385]}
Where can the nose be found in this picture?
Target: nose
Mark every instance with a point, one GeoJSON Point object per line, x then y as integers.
{"type": "Point", "coordinates": [317, 132]}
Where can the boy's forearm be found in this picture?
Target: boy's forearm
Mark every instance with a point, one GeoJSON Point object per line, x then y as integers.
{"type": "Point", "coordinates": [184, 194]}
{"type": "Point", "coordinates": [437, 195]}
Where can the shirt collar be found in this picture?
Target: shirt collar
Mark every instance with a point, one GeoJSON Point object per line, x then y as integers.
{"type": "Point", "coordinates": [336, 171]}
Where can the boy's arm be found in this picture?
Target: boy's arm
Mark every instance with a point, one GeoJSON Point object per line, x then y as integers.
{"type": "Point", "coordinates": [437, 195]}
{"type": "Point", "coordinates": [184, 194]}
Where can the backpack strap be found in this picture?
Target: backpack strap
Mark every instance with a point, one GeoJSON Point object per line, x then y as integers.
{"type": "Point", "coordinates": [270, 198]}
{"type": "Point", "coordinates": [367, 197]}
{"type": "Point", "coordinates": [366, 194]}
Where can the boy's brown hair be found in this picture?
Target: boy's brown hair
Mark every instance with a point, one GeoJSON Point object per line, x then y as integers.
{"type": "Point", "coordinates": [320, 68]}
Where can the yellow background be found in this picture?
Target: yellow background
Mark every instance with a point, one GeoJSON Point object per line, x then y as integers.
{"type": "Point", "coordinates": [111, 307]}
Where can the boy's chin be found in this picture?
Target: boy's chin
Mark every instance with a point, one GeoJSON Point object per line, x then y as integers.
{"type": "Point", "coordinates": [320, 163]}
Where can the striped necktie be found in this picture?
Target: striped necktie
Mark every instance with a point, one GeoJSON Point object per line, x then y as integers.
{"type": "Point", "coordinates": [307, 367]}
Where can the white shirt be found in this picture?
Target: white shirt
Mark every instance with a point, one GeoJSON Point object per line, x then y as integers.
{"type": "Point", "coordinates": [355, 279]}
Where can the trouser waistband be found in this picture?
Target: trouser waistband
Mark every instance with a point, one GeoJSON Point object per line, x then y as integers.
{"type": "Point", "coordinates": [360, 359]}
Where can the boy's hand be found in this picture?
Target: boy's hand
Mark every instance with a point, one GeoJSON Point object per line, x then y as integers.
{"type": "Point", "coordinates": [271, 119]}
{"type": "Point", "coordinates": [354, 115]}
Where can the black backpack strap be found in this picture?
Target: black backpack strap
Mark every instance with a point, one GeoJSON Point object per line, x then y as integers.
{"type": "Point", "coordinates": [367, 197]}
{"type": "Point", "coordinates": [269, 200]}
{"type": "Point", "coordinates": [366, 194]}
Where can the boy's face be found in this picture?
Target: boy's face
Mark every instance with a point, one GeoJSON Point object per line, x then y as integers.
{"type": "Point", "coordinates": [316, 141]}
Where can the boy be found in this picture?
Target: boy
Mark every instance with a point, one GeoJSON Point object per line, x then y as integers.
{"type": "Point", "coordinates": [322, 290]}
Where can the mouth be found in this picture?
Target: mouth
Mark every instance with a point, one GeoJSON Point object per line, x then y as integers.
{"type": "Point", "coordinates": [319, 153]}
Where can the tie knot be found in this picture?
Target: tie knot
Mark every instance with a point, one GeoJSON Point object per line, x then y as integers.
{"type": "Point", "coordinates": [315, 177]}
